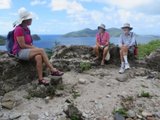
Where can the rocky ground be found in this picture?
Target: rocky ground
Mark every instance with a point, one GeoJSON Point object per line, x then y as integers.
{"type": "Point", "coordinates": [96, 93]}
{"type": "Point", "coordinates": [89, 92]}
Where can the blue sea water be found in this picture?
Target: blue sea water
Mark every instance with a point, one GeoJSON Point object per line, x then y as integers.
{"type": "Point", "coordinates": [48, 41]}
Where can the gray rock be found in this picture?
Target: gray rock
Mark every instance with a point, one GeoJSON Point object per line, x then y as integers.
{"type": "Point", "coordinates": [146, 114]}
{"type": "Point", "coordinates": [82, 81]}
{"type": "Point", "coordinates": [33, 117]}
{"type": "Point", "coordinates": [153, 60]}
{"type": "Point", "coordinates": [1, 114]}
{"type": "Point", "coordinates": [9, 101]}
{"type": "Point", "coordinates": [122, 78]}
{"type": "Point", "coordinates": [117, 116]}
{"type": "Point", "coordinates": [157, 114]}
{"type": "Point", "coordinates": [131, 114]}
{"type": "Point", "coordinates": [14, 116]}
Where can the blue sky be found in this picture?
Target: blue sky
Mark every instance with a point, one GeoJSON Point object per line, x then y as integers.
{"type": "Point", "coordinates": [62, 16]}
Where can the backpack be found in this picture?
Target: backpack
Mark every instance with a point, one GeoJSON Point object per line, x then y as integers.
{"type": "Point", "coordinates": [10, 42]}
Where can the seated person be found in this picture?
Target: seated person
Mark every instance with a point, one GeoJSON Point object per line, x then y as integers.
{"type": "Point", "coordinates": [127, 42]}
{"type": "Point", "coordinates": [102, 43]}
{"type": "Point", "coordinates": [24, 49]}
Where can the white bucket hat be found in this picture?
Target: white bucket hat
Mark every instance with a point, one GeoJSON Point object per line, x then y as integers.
{"type": "Point", "coordinates": [102, 26]}
{"type": "Point", "coordinates": [24, 15]}
{"type": "Point", "coordinates": [127, 25]}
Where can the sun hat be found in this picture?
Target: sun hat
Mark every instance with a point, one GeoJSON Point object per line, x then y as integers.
{"type": "Point", "coordinates": [127, 25]}
{"type": "Point", "coordinates": [24, 15]}
{"type": "Point", "coordinates": [102, 26]}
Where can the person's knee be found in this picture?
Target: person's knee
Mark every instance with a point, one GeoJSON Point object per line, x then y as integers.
{"type": "Point", "coordinates": [106, 49]}
{"type": "Point", "coordinates": [38, 58]}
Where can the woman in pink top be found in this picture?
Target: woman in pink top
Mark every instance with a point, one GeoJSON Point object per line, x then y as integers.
{"type": "Point", "coordinates": [102, 43]}
{"type": "Point", "coordinates": [24, 49]}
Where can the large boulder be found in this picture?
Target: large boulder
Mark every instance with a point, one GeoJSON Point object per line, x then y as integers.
{"type": "Point", "coordinates": [153, 60]}
{"type": "Point", "coordinates": [14, 73]}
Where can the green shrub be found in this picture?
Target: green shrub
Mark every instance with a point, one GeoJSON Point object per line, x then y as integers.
{"type": "Point", "coordinates": [121, 111]}
{"type": "Point", "coordinates": [145, 94]}
{"type": "Point", "coordinates": [145, 49]}
{"type": "Point", "coordinates": [85, 66]}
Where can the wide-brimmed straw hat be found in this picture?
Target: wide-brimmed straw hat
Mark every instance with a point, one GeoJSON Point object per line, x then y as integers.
{"type": "Point", "coordinates": [24, 15]}
{"type": "Point", "coordinates": [127, 25]}
{"type": "Point", "coordinates": [102, 26]}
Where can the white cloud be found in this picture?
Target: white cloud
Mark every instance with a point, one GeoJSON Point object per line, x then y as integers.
{"type": "Point", "coordinates": [38, 2]}
{"type": "Point", "coordinates": [69, 6]}
{"type": "Point", "coordinates": [5, 4]}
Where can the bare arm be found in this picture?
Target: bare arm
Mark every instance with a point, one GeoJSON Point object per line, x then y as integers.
{"type": "Point", "coordinates": [22, 43]}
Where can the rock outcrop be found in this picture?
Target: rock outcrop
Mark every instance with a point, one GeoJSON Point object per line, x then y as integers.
{"type": "Point", "coordinates": [153, 60]}
{"type": "Point", "coordinates": [76, 58]}
{"type": "Point", "coordinates": [14, 73]}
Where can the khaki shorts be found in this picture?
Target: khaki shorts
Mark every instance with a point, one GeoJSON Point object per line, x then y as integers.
{"type": "Point", "coordinates": [24, 54]}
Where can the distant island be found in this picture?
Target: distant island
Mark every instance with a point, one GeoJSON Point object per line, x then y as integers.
{"type": "Point", "coordinates": [2, 40]}
{"type": "Point", "coordinates": [35, 37]}
{"type": "Point", "coordinates": [114, 32]}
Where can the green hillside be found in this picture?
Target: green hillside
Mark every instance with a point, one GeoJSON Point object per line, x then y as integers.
{"type": "Point", "coordinates": [2, 40]}
{"type": "Point", "coordinates": [114, 32]}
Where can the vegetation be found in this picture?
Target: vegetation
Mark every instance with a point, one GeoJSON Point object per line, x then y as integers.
{"type": "Point", "coordinates": [145, 94]}
{"type": "Point", "coordinates": [146, 49]}
{"type": "Point", "coordinates": [121, 111]}
{"type": "Point", "coordinates": [2, 42]}
{"type": "Point", "coordinates": [114, 32]}
{"type": "Point", "coordinates": [85, 66]}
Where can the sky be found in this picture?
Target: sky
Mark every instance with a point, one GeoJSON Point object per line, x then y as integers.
{"type": "Point", "coordinates": [63, 16]}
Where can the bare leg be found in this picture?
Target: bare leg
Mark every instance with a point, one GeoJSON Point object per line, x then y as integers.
{"type": "Point", "coordinates": [39, 51]}
{"type": "Point", "coordinates": [121, 54]}
{"type": "Point", "coordinates": [96, 50]}
{"type": "Point", "coordinates": [38, 59]}
{"type": "Point", "coordinates": [105, 51]}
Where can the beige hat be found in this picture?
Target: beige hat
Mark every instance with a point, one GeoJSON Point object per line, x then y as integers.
{"type": "Point", "coordinates": [102, 26]}
{"type": "Point", "coordinates": [127, 25]}
{"type": "Point", "coordinates": [24, 15]}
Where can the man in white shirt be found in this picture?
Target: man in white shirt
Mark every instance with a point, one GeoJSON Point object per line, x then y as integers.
{"type": "Point", "coordinates": [127, 43]}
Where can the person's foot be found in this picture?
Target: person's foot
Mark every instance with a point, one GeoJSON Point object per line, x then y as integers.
{"type": "Point", "coordinates": [102, 63]}
{"type": "Point", "coordinates": [43, 82]}
{"type": "Point", "coordinates": [122, 70]}
{"type": "Point", "coordinates": [96, 58]}
{"type": "Point", "coordinates": [127, 66]}
{"type": "Point", "coordinates": [57, 73]}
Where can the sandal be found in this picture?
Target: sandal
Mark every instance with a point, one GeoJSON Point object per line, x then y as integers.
{"type": "Point", "coordinates": [57, 73]}
{"type": "Point", "coordinates": [43, 82]}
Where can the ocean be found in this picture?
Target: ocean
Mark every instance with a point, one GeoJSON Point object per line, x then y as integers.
{"type": "Point", "coordinates": [49, 41]}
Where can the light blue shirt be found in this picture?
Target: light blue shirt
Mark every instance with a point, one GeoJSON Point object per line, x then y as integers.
{"type": "Point", "coordinates": [128, 40]}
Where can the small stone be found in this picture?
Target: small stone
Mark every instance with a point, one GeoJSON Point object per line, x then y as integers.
{"type": "Point", "coordinates": [47, 99]}
{"type": "Point", "coordinates": [1, 114]}
{"type": "Point", "coordinates": [33, 117]}
{"type": "Point", "coordinates": [157, 114]}
{"type": "Point", "coordinates": [122, 78]}
{"type": "Point", "coordinates": [150, 118]}
{"type": "Point", "coordinates": [8, 104]}
{"type": "Point", "coordinates": [117, 116]}
{"type": "Point", "coordinates": [46, 114]}
{"type": "Point", "coordinates": [92, 81]}
{"type": "Point", "coordinates": [108, 96]}
{"type": "Point", "coordinates": [14, 116]}
{"type": "Point", "coordinates": [139, 116]}
{"type": "Point", "coordinates": [131, 114]}
{"type": "Point", "coordinates": [82, 81]}
{"type": "Point", "coordinates": [129, 119]}
{"type": "Point", "coordinates": [146, 114]}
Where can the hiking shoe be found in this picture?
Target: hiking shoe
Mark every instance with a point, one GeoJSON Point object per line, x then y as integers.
{"type": "Point", "coordinates": [122, 70]}
{"type": "Point", "coordinates": [127, 66]}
